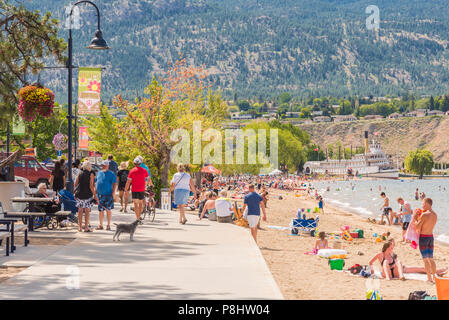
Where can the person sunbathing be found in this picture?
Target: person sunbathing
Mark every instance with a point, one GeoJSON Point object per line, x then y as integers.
{"type": "Point", "coordinates": [322, 242]}
{"type": "Point", "coordinates": [392, 268]}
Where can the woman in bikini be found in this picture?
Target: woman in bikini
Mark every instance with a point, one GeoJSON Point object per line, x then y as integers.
{"type": "Point", "coordinates": [209, 207]}
{"type": "Point", "coordinates": [392, 268]}
{"type": "Point", "coordinates": [322, 242]}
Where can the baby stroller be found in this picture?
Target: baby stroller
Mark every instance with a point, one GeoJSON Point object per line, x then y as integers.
{"type": "Point", "coordinates": [69, 204]}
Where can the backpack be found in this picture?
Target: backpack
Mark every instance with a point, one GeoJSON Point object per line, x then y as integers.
{"type": "Point", "coordinates": [418, 295]}
{"type": "Point", "coordinates": [355, 269]}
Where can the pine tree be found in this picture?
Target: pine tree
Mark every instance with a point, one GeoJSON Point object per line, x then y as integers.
{"type": "Point", "coordinates": [25, 38]}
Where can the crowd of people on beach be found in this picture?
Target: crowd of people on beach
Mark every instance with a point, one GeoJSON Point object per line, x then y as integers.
{"type": "Point", "coordinates": [213, 198]}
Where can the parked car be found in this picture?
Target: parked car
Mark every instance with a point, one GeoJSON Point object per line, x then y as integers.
{"type": "Point", "coordinates": [29, 168]}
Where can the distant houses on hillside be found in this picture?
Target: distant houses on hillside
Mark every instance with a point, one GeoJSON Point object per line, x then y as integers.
{"type": "Point", "coordinates": [240, 116]}
{"type": "Point", "coordinates": [341, 118]}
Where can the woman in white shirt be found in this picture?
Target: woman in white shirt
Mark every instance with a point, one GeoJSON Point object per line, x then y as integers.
{"type": "Point", "coordinates": [182, 184]}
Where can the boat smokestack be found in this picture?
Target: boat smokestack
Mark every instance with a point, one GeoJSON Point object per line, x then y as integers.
{"type": "Point", "coordinates": [366, 142]}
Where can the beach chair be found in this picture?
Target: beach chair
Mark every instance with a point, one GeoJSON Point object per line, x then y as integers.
{"type": "Point", "coordinates": [305, 225]}
{"type": "Point", "coordinates": [442, 285]}
{"type": "Point", "coordinates": [240, 221]}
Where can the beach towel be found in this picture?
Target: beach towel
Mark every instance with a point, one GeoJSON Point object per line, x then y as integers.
{"type": "Point", "coordinates": [407, 276]}
{"type": "Point", "coordinates": [412, 235]}
{"type": "Point", "coordinates": [278, 228]}
{"type": "Point", "coordinates": [313, 252]}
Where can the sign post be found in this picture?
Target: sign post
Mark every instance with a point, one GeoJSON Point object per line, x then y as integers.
{"type": "Point", "coordinates": [165, 199]}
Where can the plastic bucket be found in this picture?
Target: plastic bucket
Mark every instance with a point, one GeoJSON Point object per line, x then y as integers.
{"type": "Point", "coordinates": [336, 264]}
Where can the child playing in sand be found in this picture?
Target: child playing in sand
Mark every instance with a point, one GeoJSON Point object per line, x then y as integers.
{"type": "Point", "coordinates": [322, 242]}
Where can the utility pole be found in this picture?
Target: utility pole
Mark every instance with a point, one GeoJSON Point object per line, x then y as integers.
{"type": "Point", "coordinates": [8, 133]}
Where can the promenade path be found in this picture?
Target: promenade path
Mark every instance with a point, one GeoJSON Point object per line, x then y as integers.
{"type": "Point", "coordinates": [199, 260]}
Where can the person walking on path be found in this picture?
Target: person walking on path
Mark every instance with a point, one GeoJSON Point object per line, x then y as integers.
{"type": "Point", "coordinates": [254, 203]}
{"type": "Point", "coordinates": [182, 184]}
{"type": "Point", "coordinates": [122, 175]}
{"type": "Point", "coordinates": [57, 178]}
{"type": "Point", "coordinates": [113, 166]}
{"type": "Point", "coordinates": [85, 193]}
{"type": "Point", "coordinates": [136, 179]}
{"type": "Point", "coordinates": [424, 224]}
{"type": "Point", "coordinates": [76, 169]}
{"type": "Point", "coordinates": [106, 183]}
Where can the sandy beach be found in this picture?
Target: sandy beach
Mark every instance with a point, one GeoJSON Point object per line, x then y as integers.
{"type": "Point", "coordinates": [302, 276]}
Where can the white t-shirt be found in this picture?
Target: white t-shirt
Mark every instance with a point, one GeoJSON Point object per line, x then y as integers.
{"type": "Point", "coordinates": [223, 207]}
{"type": "Point", "coordinates": [181, 180]}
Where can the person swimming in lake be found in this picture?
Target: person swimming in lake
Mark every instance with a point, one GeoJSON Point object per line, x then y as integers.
{"type": "Point", "coordinates": [417, 194]}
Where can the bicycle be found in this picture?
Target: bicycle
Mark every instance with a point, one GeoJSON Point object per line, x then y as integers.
{"type": "Point", "coordinates": [149, 208]}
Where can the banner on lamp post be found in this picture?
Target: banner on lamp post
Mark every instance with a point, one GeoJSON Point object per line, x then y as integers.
{"type": "Point", "coordinates": [83, 138]}
{"type": "Point", "coordinates": [89, 89]}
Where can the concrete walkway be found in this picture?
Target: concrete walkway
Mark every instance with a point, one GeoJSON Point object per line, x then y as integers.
{"type": "Point", "coordinates": [199, 260]}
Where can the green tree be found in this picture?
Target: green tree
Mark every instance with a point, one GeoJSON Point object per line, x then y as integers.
{"type": "Point", "coordinates": [243, 105]}
{"type": "Point", "coordinates": [42, 130]}
{"type": "Point", "coordinates": [285, 98]}
{"type": "Point", "coordinates": [105, 136]}
{"type": "Point", "coordinates": [444, 106]}
{"type": "Point", "coordinates": [26, 37]}
{"type": "Point", "coordinates": [419, 162]}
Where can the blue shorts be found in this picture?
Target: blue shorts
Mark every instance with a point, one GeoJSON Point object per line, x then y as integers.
{"type": "Point", "coordinates": [105, 202]}
{"type": "Point", "coordinates": [181, 196]}
{"type": "Point", "coordinates": [426, 244]}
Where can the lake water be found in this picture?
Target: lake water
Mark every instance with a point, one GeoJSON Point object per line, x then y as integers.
{"type": "Point", "coordinates": [363, 197]}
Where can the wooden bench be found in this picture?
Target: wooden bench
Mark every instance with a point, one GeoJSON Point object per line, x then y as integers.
{"type": "Point", "coordinates": [27, 215]}
{"type": "Point", "coordinates": [61, 213]}
{"type": "Point", "coordinates": [5, 235]}
{"type": "Point", "coordinates": [24, 228]}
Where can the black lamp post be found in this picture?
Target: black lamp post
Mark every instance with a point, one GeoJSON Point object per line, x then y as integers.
{"type": "Point", "coordinates": [97, 43]}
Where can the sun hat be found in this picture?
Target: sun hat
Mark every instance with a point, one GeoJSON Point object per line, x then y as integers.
{"type": "Point", "coordinates": [123, 165]}
{"type": "Point", "coordinates": [137, 160]}
{"type": "Point", "coordinates": [105, 163]}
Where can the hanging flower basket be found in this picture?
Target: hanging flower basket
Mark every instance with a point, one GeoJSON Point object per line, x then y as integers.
{"type": "Point", "coordinates": [60, 141]}
{"type": "Point", "coordinates": [35, 100]}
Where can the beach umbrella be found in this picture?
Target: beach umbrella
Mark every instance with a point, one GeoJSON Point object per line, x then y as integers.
{"type": "Point", "coordinates": [210, 169]}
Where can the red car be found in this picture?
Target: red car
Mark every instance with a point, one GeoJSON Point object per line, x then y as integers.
{"type": "Point", "coordinates": [29, 168]}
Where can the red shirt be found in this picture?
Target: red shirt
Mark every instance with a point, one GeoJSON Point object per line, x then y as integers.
{"type": "Point", "coordinates": [138, 175]}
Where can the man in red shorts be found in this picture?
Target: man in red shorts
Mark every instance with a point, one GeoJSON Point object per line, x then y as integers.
{"type": "Point", "coordinates": [136, 179]}
{"type": "Point", "coordinates": [424, 226]}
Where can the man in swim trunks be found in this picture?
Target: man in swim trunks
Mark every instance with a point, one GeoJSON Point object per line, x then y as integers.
{"type": "Point", "coordinates": [386, 209]}
{"type": "Point", "coordinates": [425, 225]}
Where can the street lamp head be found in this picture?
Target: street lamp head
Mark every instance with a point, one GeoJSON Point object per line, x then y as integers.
{"type": "Point", "coordinates": [98, 43]}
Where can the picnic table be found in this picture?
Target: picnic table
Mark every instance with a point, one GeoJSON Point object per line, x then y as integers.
{"type": "Point", "coordinates": [28, 216]}
{"type": "Point", "coordinates": [9, 233]}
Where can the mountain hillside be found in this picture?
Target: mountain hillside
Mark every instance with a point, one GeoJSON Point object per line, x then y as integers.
{"type": "Point", "coordinates": [261, 48]}
{"type": "Point", "coordinates": [396, 136]}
